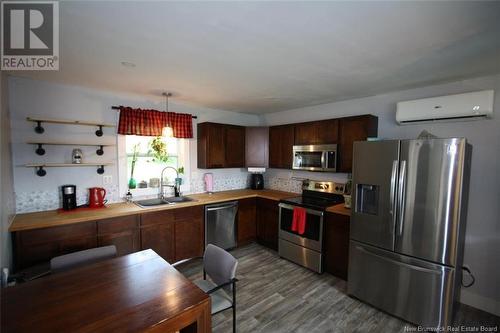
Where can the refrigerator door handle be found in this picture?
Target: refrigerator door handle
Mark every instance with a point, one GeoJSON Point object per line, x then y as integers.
{"type": "Point", "coordinates": [394, 173]}
{"type": "Point", "coordinates": [401, 195]}
{"type": "Point", "coordinates": [399, 263]}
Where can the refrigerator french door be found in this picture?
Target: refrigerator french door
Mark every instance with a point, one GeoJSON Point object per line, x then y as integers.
{"type": "Point", "coordinates": [409, 197]}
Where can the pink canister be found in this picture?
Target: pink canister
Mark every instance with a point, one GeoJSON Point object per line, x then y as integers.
{"type": "Point", "coordinates": [209, 182]}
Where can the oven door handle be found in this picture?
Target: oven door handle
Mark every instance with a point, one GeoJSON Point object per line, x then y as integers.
{"type": "Point", "coordinates": [308, 211]}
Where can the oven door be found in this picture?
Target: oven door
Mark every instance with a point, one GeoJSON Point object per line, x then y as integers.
{"type": "Point", "coordinates": [313, 235]}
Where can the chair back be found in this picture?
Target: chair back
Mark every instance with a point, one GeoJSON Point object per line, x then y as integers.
{"type": "Point", "coordinates": [75, 259]}
{"type": "Point", "coordinates": [219, 264]}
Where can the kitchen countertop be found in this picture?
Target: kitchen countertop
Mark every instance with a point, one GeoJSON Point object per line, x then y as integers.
{"type": "Point", "coordinates": [339, 209]}
{"type": "Point", "coordinates": [53, 218]}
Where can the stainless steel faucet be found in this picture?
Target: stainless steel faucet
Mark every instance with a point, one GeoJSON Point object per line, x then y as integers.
{"type": "Point", "coordinates": [176, 186]}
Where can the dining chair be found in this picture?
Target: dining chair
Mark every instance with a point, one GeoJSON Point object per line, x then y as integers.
{"type": "Point", "coordinates": [220, 266]}
{"type": "Point", "coordinates": [80, 258]}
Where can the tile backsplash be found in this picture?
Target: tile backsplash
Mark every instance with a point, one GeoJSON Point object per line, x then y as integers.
{"type": "Point", "coordinates": [47, 200]}
{"type": "Point", "coordinates": [36, 201]}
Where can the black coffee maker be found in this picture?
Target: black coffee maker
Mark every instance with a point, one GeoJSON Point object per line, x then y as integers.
{"type": "Point", "coordinates": [69, 197]}
{"type": "Point", "coordinates": [256, 181]}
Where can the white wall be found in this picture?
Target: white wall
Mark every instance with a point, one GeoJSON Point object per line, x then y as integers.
{"type": "Point", "coordinates": [49, 100]}
{"type": "Point", "coordinates": [7, 204]}
{"type": "Point", "coordinates": [482, 244]}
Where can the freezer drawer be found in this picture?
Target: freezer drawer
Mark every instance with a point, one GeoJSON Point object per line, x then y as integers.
{"type": "Point", "coordinates": [412, 289]}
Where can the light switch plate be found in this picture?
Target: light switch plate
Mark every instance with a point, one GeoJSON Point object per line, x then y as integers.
{"type": "Point", "coordinates": [107, 180]}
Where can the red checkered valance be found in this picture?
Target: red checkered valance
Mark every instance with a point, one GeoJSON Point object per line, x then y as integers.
{"type": "Point", "coordinates": [152, 122]}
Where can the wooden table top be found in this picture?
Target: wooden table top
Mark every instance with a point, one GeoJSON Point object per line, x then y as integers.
{"type": "Point", "coordinates": [132, 293]}
{"type": "Point", "coordinates": [54, 218]}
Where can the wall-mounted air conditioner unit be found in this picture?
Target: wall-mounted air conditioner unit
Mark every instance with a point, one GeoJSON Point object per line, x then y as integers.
{"type": "Point", "coordinates": [468, 106]}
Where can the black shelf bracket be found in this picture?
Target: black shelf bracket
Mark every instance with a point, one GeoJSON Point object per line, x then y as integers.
{"type": "Point", "coordinates": [39, 129]}
{"type": "Point", "coordinates": [41, 172]}
{"type": "Point", "coordinates": [99, 131]}
{"type": "Point", "coordinates": [100, 170]}
{"type": "Point", "coordinates": [100, 151]}
{"type": "Point", "coordinates": [40, 150]}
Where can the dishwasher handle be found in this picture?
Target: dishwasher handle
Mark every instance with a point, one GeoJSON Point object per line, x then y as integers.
{"type": "Point", "coordinates": [223, 206]}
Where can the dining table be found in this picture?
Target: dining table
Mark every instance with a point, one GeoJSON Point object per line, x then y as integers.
{"type": "Point", "coordinates": [139, 292]}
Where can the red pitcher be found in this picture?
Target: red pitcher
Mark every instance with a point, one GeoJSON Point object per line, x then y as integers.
{"type": "Point", "coordinates": [96, 197]}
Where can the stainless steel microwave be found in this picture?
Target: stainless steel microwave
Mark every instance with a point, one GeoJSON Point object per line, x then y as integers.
{"type": "Point", "coordinates": [315, 158]}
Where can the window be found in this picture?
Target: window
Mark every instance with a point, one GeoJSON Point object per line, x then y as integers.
{"type": "Point", "coordinates": [148, 166]}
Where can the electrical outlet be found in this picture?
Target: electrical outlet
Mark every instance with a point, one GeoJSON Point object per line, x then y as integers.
{"type": "Point", "coordinates": [107, 180]}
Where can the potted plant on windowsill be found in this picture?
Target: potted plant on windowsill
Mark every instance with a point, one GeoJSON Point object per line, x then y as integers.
{"type": "Point", "coordinates": [132, 184]}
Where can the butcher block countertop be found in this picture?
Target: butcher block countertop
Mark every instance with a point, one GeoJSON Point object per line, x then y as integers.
{"type": "Point", "coordinates": [53, 218]}
{"type": "Point", "coordinates": [339, 209]}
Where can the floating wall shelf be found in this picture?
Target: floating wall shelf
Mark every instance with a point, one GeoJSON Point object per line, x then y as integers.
{"type": "Point", "coordinates": [39, 129]}
{"type": "Point", "coordinates": [41, 172]}
{"type": "Point", "coordinates": [41, 151]}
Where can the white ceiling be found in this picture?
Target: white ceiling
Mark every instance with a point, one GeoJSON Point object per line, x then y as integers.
{"type": "Point", "coordinates": [262, 57]}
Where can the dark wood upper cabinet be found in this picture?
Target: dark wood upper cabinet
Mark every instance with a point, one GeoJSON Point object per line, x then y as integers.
{"type": "Point", "coordinates": [281, 141]}
{"type": "Point", "coordinates": [352, 129]}
{"type": "Point", "coordinates": [221, 146]}
{"type": "Point", "coordinates": [317, 132]}
{"type": "Point", "coordinates": [235, 146]}
{"type": "Point", "coordinates": [257, 147]}
{"type": "Point", "coordinates": [211, 145]}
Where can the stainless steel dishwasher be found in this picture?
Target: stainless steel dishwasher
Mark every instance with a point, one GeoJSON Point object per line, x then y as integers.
{"type": "Point", "coordinates": [220, 224]}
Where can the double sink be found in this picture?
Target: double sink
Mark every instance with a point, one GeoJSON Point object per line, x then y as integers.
{"type": "Point", "coordinates": [162, 201]}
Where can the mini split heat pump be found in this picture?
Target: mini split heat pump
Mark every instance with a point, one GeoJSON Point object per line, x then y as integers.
{"type": "Point", "coordinates": [468, 106]}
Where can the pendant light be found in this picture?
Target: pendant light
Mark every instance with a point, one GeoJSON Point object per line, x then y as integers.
{"type": "Point", "coordinates": [167, 132]}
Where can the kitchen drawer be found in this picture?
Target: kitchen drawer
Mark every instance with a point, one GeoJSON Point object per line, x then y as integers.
{"type": "Point", "coordinates": [155, 218]}
{"type": "Point", "coordinates": [54, 234]}
{"type": "Point", "coordinates": [117, 224]}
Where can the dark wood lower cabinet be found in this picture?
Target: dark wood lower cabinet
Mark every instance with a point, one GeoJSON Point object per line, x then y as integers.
{"type": "Point", "coordinates": [175, 234]}
{"type": "Point", "coordinates": [336, 244]}
{"type": "Point", "coordinates": [189, 232]}
{"type": "Point", "coordinates": [247, 218]}
{"type": "Point", "coordinates": [122, 232]}
{"type": "Point", "coordinates": [32, 247]}
{"type": "Point", "coordinates": [157, 233]}
{"type": "Point", "coordinates": [267, 223]}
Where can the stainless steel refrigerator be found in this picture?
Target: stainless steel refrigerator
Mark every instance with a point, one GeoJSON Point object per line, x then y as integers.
{"type": "Point", "coordinates": [407, 226]}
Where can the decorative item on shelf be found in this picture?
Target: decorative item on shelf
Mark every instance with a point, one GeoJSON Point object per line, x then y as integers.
{"type": "Point", "coordinates": [143, 184]}
{"type": "Point", "coordinates": [154, 182]}
{"type": "Point", "coordinates": [77, 156]}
